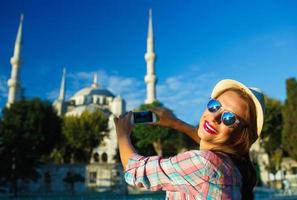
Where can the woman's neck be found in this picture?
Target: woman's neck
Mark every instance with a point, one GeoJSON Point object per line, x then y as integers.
{"type": "Point", "coordinates": [204, 145]}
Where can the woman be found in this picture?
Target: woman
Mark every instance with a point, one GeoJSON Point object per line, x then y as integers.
{"type": "Point", "coordinates": [221, 168]}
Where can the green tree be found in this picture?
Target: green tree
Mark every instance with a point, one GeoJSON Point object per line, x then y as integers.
{"type": "Point", "coordinates": [289, 133]}
{"type": "Point", "coordinates": [273, 125]}
{"type": "Point", "coordinates": [150, 140]}
{"type": "Point", "coordinates": [30, 131]}
{"type": "Point", "coordinates": [275, 161]}
{"type": "Point", "coordinates": [272, 133]}
{"type": "Point", "coordinates": [82, 134]}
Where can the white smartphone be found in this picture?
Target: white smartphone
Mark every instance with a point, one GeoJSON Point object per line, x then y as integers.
{"type": "Point", "coordinates": [143, 117]}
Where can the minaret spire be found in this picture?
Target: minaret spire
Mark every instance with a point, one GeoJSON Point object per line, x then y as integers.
{"type": "Point", "coordinates": [150, 78]}
{"type": "Point", "coordinates": [60, 103]}
{"type": "Point", "coordinates": [150, 33]}
{"type": "Point", "coordinates": [62, 88]}
{"type": "Point", "coordinates": [95, 83]}
{"type": "Point", "coordinates": [14, 92]}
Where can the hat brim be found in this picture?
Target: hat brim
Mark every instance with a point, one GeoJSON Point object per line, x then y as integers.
{"type": "Point", "coordinates": [229, 83]}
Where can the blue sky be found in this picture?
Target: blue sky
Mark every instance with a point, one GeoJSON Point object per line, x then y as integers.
{"type": "Point", "coordinates": [197, 43]}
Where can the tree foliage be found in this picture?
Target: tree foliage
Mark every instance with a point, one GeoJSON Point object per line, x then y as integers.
{"type": "Point", "coordinates": [150, 140]}
{"type": "Point", "coordinates": [289, 133]}
{"type": "Point", "coordinates": [273, 124]}
{"type": "Point", "coordinates": [82, 134]}
{"type": "Point", "coordinates": [29, 131]}
{"type": "Point", "coordinates": [275, 161]}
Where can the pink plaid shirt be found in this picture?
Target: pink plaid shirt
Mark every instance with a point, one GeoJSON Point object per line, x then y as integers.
{"type": "Point", "coordinates": [189, 175]}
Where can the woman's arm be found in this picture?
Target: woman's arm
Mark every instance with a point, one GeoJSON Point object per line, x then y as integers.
{"type": "Point", "coordinates": [168, 120]}
{"type": "Point", "coordinates": [123, 128]}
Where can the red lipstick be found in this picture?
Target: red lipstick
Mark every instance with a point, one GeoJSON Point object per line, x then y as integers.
{"type": "Point", "coordinates": [208, 128]}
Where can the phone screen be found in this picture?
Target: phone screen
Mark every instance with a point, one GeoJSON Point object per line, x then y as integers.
{"type": "Point", "coordinates": [143, 117]}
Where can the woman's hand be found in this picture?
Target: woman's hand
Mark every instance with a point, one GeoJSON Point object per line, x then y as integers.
{"type": "Point", "coordinates": [123, 124]}
{"type": "Point", "coordinates": [123, 128]}
{"type": "Point", "coordinates": [166, 117]}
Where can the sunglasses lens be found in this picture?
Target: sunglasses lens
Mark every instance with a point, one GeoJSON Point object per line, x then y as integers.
{"type": "Point", "coordinates": [228, 118]}
{"type": "Point", "coordinates": [213, 105]}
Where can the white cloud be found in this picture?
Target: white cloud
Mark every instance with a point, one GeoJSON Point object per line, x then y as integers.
{"type": "Point", "coordinates": [187, 93]}
{"type": "Point", "coordinates": [52, 95]}
{"type": "Point", "coordinates": [3, 87]}
{"type": "Point", "coordinates": [131, 89]}
{"type": "Point", "coordinates": [174, 83]}
{"type": "Point", "coordinates": [3, 91]}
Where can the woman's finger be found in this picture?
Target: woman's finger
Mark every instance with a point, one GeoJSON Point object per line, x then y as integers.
{"type": "Point", "coordinates": [154, 123]}
{"type": "Point", "coordinates": [157, 111]}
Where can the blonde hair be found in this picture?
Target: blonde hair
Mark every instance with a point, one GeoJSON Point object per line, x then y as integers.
{"type": "Point", "coordinates": [245, 135]}
{"type": "Point", "coordinates": [239, 144]}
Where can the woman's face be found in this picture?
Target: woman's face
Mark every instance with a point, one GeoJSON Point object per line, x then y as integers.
{"type": "Point", "coordinates": [212, 130]}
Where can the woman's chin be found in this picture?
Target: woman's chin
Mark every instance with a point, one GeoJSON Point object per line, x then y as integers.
{"type": "Point", "coordinates": [206, 136]}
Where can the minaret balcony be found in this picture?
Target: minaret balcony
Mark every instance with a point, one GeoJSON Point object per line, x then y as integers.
{"type": "Point", "coordinates": [149, 56]}
{"type": "Point", "coordinates": [15, 61]}
{"type": "Point", "coordinates": [12, 83]}
{"type": "Point", "coordinates": [150, 78]}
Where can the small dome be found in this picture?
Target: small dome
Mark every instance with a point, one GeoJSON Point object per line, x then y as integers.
{"type": "Point", "coordinates": [90, 91]}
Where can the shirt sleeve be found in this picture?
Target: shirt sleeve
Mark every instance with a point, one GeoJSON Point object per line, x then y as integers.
{"type": "Point", "coordinates": [186, 172]}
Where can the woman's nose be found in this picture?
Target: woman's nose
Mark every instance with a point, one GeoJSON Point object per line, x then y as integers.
{"type": "Point", "coordinates": [217, 116]}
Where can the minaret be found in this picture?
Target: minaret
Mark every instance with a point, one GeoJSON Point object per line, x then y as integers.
{"type": "Point", "coordinates": [60, 104]}
{"type": "Point", "coordinates": [62, 88]}
{"type": "Point", "coordinates": [150, 78]}
{"type": "Point", "coordinates": [95, 83]}
{"type": "Point", "coordinates": [14, 91]}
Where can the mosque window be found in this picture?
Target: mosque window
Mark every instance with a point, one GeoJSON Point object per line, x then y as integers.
{"type": "Point", "coordinates": [118, 173]}
{"type": "Point", "coordinates": [294, 170]}
{"type": "Point", "coordinates": [92, 177]}
{"type": "Point", "coordinates": [104, 157]}
{"type": "Point", "coordinates": [96, 157]}
{"type": "Point", "coordinates": [95, 100]}
{"type": "Point", "coordinates": [89, 99]}
{"type": "Point", "coordinates": [72, 102]}
{"type": "Point", "coordinates": [104, 101]}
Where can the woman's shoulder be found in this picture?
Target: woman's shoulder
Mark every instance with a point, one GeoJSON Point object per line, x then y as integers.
{"type": "Point", "coordinates": [205, 157]}
{"type": "Point", "coordinates": [219, 166]}
{"type": "Point", "coordinates": [207, 154]}
{"type": "Point", "coordinates": [215, 161]}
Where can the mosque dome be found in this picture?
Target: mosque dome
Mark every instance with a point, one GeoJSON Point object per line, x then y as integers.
{"type": "Point", "coordinates": [91, 91]}
{"type": "Point", "coordinates": [100, 97]}
{"type": "Point", "coordinates": [92, 95]}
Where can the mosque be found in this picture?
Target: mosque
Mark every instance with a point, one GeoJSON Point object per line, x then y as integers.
{"type": "Point", "coordinates": [92, 98]}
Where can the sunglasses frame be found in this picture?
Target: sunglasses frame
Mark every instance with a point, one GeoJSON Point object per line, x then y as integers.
{"type": "Point", "coordinates": [237, 121]}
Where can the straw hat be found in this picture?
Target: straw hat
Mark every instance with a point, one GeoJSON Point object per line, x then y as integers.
{"type": "Point", "coordinates": [255, 93]}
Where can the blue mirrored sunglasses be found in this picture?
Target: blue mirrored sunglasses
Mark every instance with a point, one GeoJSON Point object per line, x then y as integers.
{"type": "Point", "coordinates": [227, 117]}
